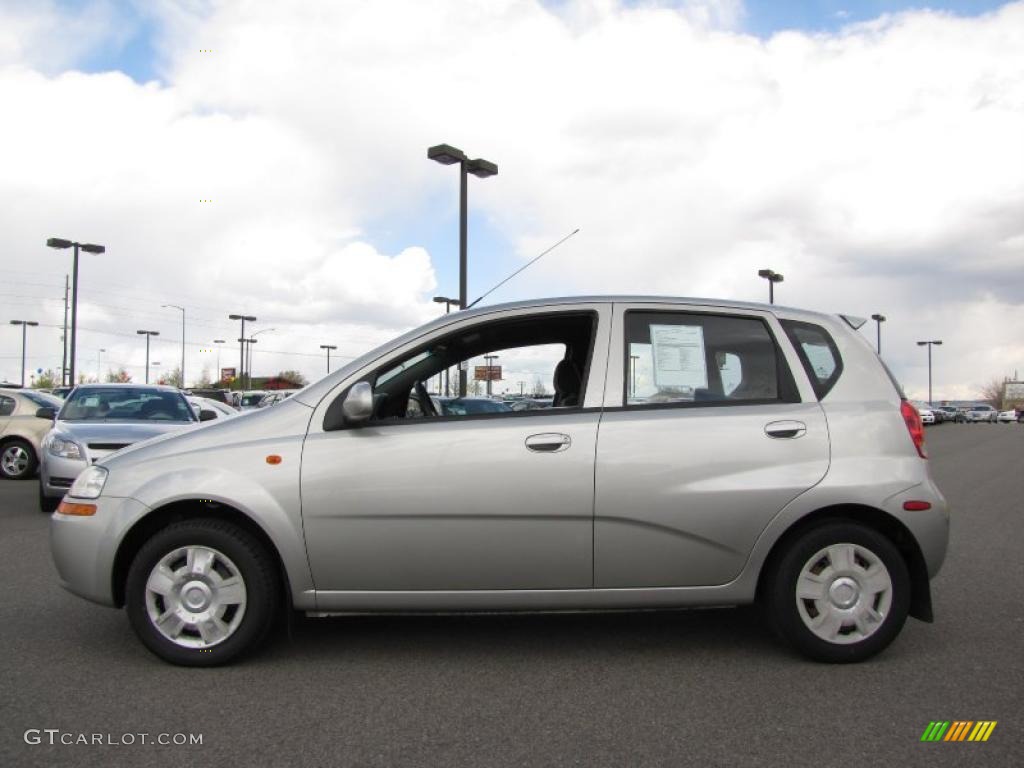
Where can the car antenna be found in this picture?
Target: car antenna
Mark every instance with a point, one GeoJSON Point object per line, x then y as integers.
{"type": "Point", "coordinates": [531, 261]}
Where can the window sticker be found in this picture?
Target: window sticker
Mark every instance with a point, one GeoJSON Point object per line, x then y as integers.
{"type": "Point", "coordinates": [679, 361]}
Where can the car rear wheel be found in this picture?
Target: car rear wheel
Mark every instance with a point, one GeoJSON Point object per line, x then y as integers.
{"type": "Point", "coordinates": [202, 592]}
{"type": "Point", "coordinates": [17, 460]}
{"type": "Point", "coordinates": [839, 593]}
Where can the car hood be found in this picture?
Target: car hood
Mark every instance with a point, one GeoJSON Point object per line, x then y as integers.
{"type": "Point", "coordinates": [126, 432]}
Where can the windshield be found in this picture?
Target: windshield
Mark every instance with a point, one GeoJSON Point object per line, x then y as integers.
{"type": "Point", "coordinates": [252, 399]}
{"type": "Point", "coordinates": [461, 407]}
{"type": "Point", "coordinates": [125, 404]}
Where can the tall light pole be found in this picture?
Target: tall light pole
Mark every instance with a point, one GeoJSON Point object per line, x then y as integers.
{"type": "Point", "coordinates": [490, 366]}
{"type": "Point", "coordinates": [175, 306]}
{"type": "Point", "coordinates": [220, 376]}
{"type": "Point", "coordinates": [772, 277]}
{"type": "Point", "coordinates": [24, 329]}
{"type": "Point", "coordinates": [99, 365]}
{"type": "Point", "coordinates": [328, 347]}
{"type": "Point", "coordinates": [241, 347]}
{"type": "Point", "coordinates": [449, 155]}
{"type": "Point", "coordinates": [929, 344]}
{"type": "Point", "coordinates": [147, 334]}
{"type": "Point", "coordinates": [879, 319]}
{"type": "Point", "coordinates": [447, 309]}
{"type": "Point", "coordinates": [64, 338]}
{"type": "Point", "coordinates": [250, 341]}
{"type": "Point", "coordinates": [57, 242]}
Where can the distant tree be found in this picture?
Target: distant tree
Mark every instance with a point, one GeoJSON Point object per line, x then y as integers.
{"type": "Point", "coordinates": [294, 377]}
{"type": "Point", "coordinates": [204, 381]}
{"type": "Point", "coordinates": [992, 392]}
{"type": "Point", "coordinates": [173, 378]}
{"type": "Point", "coordinates": [47, 380]}
{"type": "Point", "coordinates": [120, 376]}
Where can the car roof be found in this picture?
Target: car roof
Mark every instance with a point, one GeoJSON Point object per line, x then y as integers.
{"type": "Point", "coordinates": [154, 387]}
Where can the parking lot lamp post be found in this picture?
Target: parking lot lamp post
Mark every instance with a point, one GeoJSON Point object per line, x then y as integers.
{"type": "Point", "coordinates": [147, 334]}
{"type": "Point", "coordinates": [57, 242]}
{"type": "Point", "coordinates": [879, 319]}
{"type": "Point", "coordinates": [490, 367]}
{"type": "Point", "coordinates": [447, 308]}
{"type": "Point", "coordinates": [99, 364]}
{"type": "Point", "coordinates": [24, 329]}
{"type": "Point", "coordinates": [241, 347]}
{"type": "Point", "coordinates": [218, 342]}
{"type": "Point", "coordinates": [929, 344]}
{"type": "Point", "coordinates": [772, 277]}
{"type": "Point", "coordinates": [175, 306]}
{"type": "Point", "coordinates": [482, 169]}
{"type": "Point", "coordinates": [328, 347]}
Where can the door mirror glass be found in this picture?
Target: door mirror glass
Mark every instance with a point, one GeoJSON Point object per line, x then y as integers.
{"type": "Point", "coordinates": [205, 415]}
{"type": "Point", "coordinates": [358, 405]}
{"type": "Point", "coordinates": [46, 413]}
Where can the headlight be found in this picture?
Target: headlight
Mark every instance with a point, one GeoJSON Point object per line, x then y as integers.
{"type": "Point", "coordinates": [58, 446]}
{"type": "Point", "coordinates": [89, 483]}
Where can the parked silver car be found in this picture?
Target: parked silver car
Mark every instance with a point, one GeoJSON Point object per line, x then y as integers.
{"type": "Point", "coordinates": [99, 419]}
{"type": "Point", "coordinates": [695, 453]}
{"type": "Point", "coordinates": [982, 412]}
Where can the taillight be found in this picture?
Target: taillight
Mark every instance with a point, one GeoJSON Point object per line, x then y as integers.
{"type": "Point", "coordinates": [914, 426]}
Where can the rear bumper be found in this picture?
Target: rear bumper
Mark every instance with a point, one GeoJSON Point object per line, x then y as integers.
{"type": "Point", "coordinates": [83, 548]}
{"type": "Point", "coordinates": [930, 527]}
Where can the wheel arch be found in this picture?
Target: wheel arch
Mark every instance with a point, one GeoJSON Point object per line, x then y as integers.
{"type": "Point", "coordinates": [188, 509]}
{"type": "Point", "coordinates": [878, 520]}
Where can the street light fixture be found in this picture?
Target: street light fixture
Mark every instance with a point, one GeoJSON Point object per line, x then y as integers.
{"type": "Point", "coordinates": [929, 344]}
{"type": "Point", "coordinates": [449, 155]}
{"type": "Point", "coordinates": [772, 277]}
{"type": "Point", "coordinates": [879, 319]}
{"type": "Point", "coordinates": [175, 306]}
{"type": "Point", "coordinates": [24, 329]}
{"type": "Point", "coordinates": [61, 243]}
{"type": "Point", "coordinates": [147, 334]}
{"type": "Point", "coordinates": [241, 347]}
{"type": "Point", "coordinates": [328, 347]}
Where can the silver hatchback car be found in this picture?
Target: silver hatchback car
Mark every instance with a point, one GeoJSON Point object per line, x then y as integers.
{"type": "Point", "coordinates": [695, 453]}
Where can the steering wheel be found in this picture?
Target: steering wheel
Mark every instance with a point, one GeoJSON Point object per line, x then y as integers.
{"type": "Point", "coordinates": [426, 404]}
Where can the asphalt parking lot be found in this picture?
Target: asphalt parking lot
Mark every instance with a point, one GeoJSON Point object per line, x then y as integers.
{"type": "Point", "coordinates": [708, 687]}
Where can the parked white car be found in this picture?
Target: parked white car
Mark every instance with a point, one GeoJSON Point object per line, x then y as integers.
{"type": "Point", "coordinates": [982, 412]}
{"type": "Point", "coordinates": [927, 415]}
{"type": "Point", "coordinates": [220, 410]}
{"type": "Point", "coordinates": [1008, 417]}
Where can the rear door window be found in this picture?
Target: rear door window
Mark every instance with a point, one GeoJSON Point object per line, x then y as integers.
{"type": "Point", "coordinates": [818, 354]}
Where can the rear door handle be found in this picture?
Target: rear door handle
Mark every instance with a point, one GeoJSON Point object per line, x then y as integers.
{"type": "Point", "coordinates": [548, 442]}
{"type": "Point", "coordinates": [785, 429]}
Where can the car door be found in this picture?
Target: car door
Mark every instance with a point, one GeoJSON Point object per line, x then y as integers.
{"type": "Point", "coordinates": [493, 501]}
{"type": "Point", "coordinates": [709, 437]}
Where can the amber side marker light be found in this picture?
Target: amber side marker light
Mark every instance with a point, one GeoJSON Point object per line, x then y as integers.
{"type": "Point", "coordinates": [916, 506]}
{"type": "Point", "coordinates": [82, 510]}
{"type": "Point", "coordinates": [273, 459]}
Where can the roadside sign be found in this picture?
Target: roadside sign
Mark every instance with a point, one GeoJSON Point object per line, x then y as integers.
{"type": "Point", "coordinates": [483, 373]}
{"type": "Point", "coordinates": [227, 374]}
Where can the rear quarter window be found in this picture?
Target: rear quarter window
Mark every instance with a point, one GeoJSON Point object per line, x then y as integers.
{"type": "Point", "coordinates": [818, 354]}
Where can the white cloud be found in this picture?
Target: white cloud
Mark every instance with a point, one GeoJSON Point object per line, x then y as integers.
{"type": "Point", "coordinates": [878, 168]}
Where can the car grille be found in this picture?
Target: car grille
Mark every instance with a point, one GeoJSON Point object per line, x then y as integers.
{"type": "Point", "coordinates": [61, 482]}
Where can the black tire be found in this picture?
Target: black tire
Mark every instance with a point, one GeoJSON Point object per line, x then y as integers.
{"type": "Point", "coordinates": [255, 566]}
{"type": "Point", "coordinates": [29, 453]}
{"type": "Point", "coordinates": [781, 605]}
{"type": "Point", "coordinates": [47, 503]}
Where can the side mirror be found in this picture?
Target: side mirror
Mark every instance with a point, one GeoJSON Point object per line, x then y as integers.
{"type": "Point", "coordinates": [358, 404]}
{"type": "Point", "coordinates": [205, 415]}
{"type": "Point", "coordinates": [46, 413]}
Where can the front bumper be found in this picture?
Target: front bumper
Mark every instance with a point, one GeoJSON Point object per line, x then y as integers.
{"type": "Point", "coordinates": [56, 474]}
{"type": "Point", "coordinates": [83, 548]}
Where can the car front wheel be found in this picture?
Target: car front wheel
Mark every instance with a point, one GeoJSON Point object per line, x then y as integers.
{"type": "Point", "coordinates": [202, 592]}
{"type": "Point", "coordinates": [17, 460]}
{"type": "Point", "coordinates": [839, 593]}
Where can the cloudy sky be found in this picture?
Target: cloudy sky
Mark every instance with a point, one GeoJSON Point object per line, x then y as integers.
{"type": "Point", "coordinates": [270, 158]}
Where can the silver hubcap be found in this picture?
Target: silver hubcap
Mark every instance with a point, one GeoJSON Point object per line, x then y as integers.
{"type": "Point", "coordinates": [14, 460]}
{"type": "Point", "coordinates": [195, 597]}
{"type": "Point", "coordinates": [844, 593]}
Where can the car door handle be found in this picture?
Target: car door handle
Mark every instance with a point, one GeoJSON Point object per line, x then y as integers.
{"type": "Point", "coordinates": [548, 442]}
{"type": "Point", "coordinates": [785, 429]}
